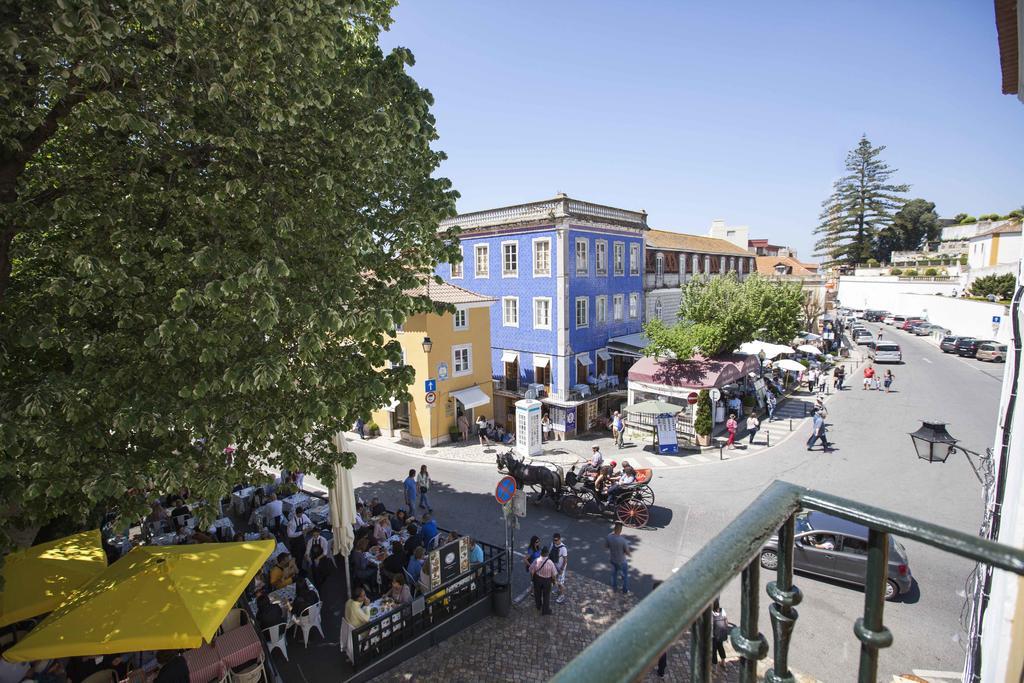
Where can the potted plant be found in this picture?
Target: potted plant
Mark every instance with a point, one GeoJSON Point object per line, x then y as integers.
{"type": "Point", "coordinates": [702, 420]}
{"type": "Point", "coordinates": [453, 433]}
{"type": "Point", "coordinates": [372, 429]}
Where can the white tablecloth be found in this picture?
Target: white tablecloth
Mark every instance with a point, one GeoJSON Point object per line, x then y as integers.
{"type": "Point", "coordinates": [294, 501]}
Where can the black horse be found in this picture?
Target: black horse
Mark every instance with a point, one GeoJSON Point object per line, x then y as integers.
{"type": "Point", "coordinates": [545, 478]}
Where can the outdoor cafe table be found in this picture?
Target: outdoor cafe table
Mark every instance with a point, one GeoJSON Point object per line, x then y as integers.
{"type": "Point", "coordinates": [295, 500]}
{"type": "Point", "coordinates": [204, 664]}
{"type": "Point", "coordinates": [241, 499]}
{"type": "Point", "coordinates": [238, 646]}
{"type": "Point", "coordinates": [319, 515]}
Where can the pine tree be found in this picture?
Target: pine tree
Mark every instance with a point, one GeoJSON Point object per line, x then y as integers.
{"type": "Point", "coordinates": [862, 203]}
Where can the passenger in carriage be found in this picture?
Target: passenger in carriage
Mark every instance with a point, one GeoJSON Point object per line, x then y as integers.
{"type": "Point", "coordinates": [606, 473]}
{"type": "Point", "coordinates": [627, 477]}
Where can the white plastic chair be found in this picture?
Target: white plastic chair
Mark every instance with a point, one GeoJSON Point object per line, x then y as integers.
{"type": "Point", "coordinates": [232, 621]}
{"type": "Point", "coordinates": [276, 639]}
{"type": "Point", "coordinates": [253, 674]}
{"type": "Point", "coordinates": [346, 640]}
{"type": "Point", "coordinates": [308, 620]}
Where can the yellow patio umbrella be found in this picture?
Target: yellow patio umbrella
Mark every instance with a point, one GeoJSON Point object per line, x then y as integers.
{"type": "Point", "coordinates": [154, 598]}
{"type": "Point", "coordinates": [38, 579]}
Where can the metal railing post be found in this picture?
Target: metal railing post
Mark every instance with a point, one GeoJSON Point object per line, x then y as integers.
{"type": "Point", "coordinates": [869, 629]}
{"type": "Point", "coordinates": [700, 648]}
{"type": "Point", "coordinates": [785, 597]}
{"type": "Point", "coordinates": [745, 638]}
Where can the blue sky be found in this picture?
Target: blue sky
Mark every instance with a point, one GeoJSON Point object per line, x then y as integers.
{"type": "Point", "coordinates": [702, 110]}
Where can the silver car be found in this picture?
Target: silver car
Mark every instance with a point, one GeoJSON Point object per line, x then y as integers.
{"type": "Point", "coordinates": [837, 549]}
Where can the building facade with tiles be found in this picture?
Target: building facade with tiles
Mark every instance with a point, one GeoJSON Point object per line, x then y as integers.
{"type": "Point", "coordinates": [566, 275]}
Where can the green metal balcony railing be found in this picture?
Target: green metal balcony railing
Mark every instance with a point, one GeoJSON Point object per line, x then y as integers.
{"type": "Point", "coordinates": [684, 600]}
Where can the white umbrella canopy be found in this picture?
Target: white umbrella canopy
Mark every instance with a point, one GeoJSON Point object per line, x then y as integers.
{"type": "Point", "coordinates": [807, 348]}
{"type": "Point", "coordinates": [753, 348]}
{"type": "Point", "coordinates": [789, 364]}
{"type": "Point", "coordinates": [810, 336]}
{"type": "Point", "coordinates": [341, 498]}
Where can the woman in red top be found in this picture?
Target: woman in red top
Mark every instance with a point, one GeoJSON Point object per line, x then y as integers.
{"type": "Point", "coordinates": [730, 425]}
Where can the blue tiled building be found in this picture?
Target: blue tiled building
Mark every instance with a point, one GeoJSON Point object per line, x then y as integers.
{"type": "Point", "coordinates": [567, 275]}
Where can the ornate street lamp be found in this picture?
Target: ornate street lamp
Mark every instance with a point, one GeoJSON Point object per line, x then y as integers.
{"type": "Point", "coordinates": [427, 345]}
{"type": "Point", "coordinates": [934, 444]}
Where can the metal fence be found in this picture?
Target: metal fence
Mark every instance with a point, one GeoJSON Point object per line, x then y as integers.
{"type": "Point", "coordinates": [684, 600]}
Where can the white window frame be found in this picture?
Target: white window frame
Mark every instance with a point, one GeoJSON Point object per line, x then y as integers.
{"type": "Point", "coordinates": [659, 264]}
{"type": "Point", "coordinates": [464, 312]}
{"type": "Point", "coordinates": [536, 242]}
{"type": "Point", "coordinates": [600, 246]}
{"type": "Point", "coordinates": [505, 271]}
{"type": "Point", "coordinates": [634, 305]}
{"type": "Point", "coordinates": [459, 269]}
{"type": "Point", "coordinates": [504, 311]}
{"type": "Point", "coordinates": [585, 300]}
{"type": "Point", "coordinates": [485, 249]}
{"type": "Point", "coordinates": [468, 370]}
{"type": "Point", "coordinates": [601, 309]}
{"type": "Point", "coordinates": [618, 306]}
{"type": "Point", "coordinates": [619, 258]}
{"type": "Point", "coordinates": [536, 324]}
{"type": "Point", "coordinates": [585, 243]}
{"type": "Point", "coordinates": [634, 259]}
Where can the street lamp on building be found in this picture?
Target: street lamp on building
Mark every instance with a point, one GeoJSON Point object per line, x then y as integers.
{"type": "Point", "coordinates": [934, 444]}
{"type": "Point", "coordinates": [427, 345]}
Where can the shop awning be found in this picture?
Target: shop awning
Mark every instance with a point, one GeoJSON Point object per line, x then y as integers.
{"type": "Point", "coordinates": [541, 361]}
{"type": "Point", "coordinates": [583, 358]}
{"type": "Point", "coordinates": [473, 397]}
{"type": "Point", "coordinates": [604, 355]}
{"type": "Point", "coordinates": [695, 373]}
{"type": "Point", "coordinates": [628, 345]}
{"type": "Point", "coordinates": [509, 356]}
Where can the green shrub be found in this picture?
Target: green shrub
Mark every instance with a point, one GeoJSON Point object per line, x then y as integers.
{"type": "Point", "coordinates": [968, 219]}
{"type": "Point", "coordinates": [999, 285]}
{"type": "Point", "coordinates": [749, 401]}
{"type": "Point", "coordinates": [372, 428]}
{"type": "Point", "coordinates": [872, 263]}
{"type": "Point", "coordinates": [702, 420]}
{"type": "Point", "coordinates": [804, 362]}
{"type": "Point", "coordinates": [453, 433]}
{"type": "Point", "coordinates": [989, 217]}
{"type": "Point", "coordinates": [931, 272]}
{"type": "Point", "coordinates": [910, 273]}
{"type": "Point", "coordinates": [896, 271]}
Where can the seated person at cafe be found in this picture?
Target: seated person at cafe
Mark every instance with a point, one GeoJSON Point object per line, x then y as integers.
{"type": "Point", "coordinates": [274, 512]}
{"type": "Point", "coordinates": [381, 528]}
{"type": "Point", "coordinates": [268, 614]}
{"type": "Point", "coordinates": [394, 565]}
{"type": "Point", "coordinates": [400, 592]}
{"type": "Point", "coordinates": [428, 531]}
{"type": "Point", "coordinates": [158, 516]}
{"type": "Point", "coordinates": [356, 613]}
{"type": "Point", "coordinates": [376, 507]}
{"type": "Point", "coordinates": [416, 562]}
{"type": "Point", "coordinates": [628, 476]}
{"type": "Point", "coordinates": [80, 668]}
{"type": "Point", "coordinates": [399, 521]}
{"type": "Point", "coordinates": [173, 668]}
{"type": "Point", "coordinates": [180, 514]}
{"type": "Point", "coordinates": [414, 541]}
{"type": "Point", "coordinates": [361, 514]}
{"type": "Point", "coordinates": [476, 552]}
{"type": "Point", "coordinates": [283, 572]}
{"type": "Point", "coordinates": [362, 569]}
{"type": "Point", "coordinates": [304, 597]}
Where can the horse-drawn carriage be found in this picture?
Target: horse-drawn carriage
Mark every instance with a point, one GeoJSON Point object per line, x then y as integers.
{"type": "Point", "coordinates": [577, 494]}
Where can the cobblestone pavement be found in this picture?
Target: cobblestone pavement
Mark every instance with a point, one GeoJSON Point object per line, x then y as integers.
{"type": "Point", "coordinates": [526, 647]}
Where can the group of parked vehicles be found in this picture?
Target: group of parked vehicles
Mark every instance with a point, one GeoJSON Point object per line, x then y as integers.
{"type": "Point", "coordinates": [888, 351]}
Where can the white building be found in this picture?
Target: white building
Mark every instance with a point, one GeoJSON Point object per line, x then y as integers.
{"type": "Point", "coordinates": [737, 234]}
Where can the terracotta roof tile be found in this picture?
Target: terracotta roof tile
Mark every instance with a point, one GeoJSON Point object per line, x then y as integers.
{"type": "Point", "coordinates": [1000, 228]}
{"type": "Point", "coordinates": [766, 266]}
{"type": "Point", "coordinates": [447, 293]}
{"type": "Point", "coordinates": [663, 239]}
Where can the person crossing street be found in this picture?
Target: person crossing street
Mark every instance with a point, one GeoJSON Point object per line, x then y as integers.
{"type": "Point", "coordinates": [818, 432]}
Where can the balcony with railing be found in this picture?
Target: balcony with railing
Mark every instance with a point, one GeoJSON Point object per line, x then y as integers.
{"type": "Point", "coordinates": [561, 206]}
{"type": "Point", "coordinates": [683, 602]}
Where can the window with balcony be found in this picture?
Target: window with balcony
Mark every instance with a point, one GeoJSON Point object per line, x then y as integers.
{"type": "Point", "coordinates": [482, 261]}
{"type": "Point", "coordinates": [617, 303]}
{"type": "Point", "coordinates": [601, 257]}
{"type": "Point", "coordinates": [619, 254]}
{"type": "Point", "coordinates": [582, 312]}
{"type": "Point", "coordinates": [542, 257]}
{"type": "Point", "coordinates": [634, 305]}
{"type": "Point", "coordinates": [601, 309]}
{"type": "Point", "coordinates": [462, 359]}
{"type": "Point", "coordinates": [510, 311]}
{"type": "Point", "coordinates": [582, 256]}
{"type": "Point", "coordinates": [509, 259]}
{"type": "Point", "coordinates": [634, 259]}
{"type": "Point", "coordinates": [461, 319]}
{"type": "Point", "coordinates": [542, 313]}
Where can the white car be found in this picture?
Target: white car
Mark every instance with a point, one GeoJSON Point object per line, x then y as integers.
{"type": "Point", "coordinates": [888, 319]}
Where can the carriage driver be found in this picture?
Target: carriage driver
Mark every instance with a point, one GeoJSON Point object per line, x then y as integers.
{"type": "Point", "coordinates": [596, 460]}
{"type": "Point", "coordinates": [628, 476]}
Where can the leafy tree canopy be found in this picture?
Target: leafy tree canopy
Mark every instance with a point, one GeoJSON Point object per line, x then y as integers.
{"type": "Point", "coordinates": [720, 313]}
{"type": "Point", "coordinates": [1001, 286]}
{"type": "Point", "coordinates": [208, 215]}
{"type": "Point", "coordinates": [862, 203]}
{"type": "Point", "coordinates": [913, 225]}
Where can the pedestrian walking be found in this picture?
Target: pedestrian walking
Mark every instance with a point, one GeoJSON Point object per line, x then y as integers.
{"type": "Point", "coordinates": [410, 492]}
{"type": "Point", "coordinates": [822, 383]}
{"type": "Point", "coordinates": [481, 430]}
{"type": "Point", "coordinates": [719, 633]}
{"type": "Point", "coordinates": [361, 428]}
{"type": "Point", "coordinates": [812, 379]}
{"type": "Point", "coordinates": [753, 424]}
{"type": "Point", "coordinates": [818, 432]}
{"type": "Point", "coordinates": [545, 429]}
{"type": "Point", "coordinates": [888, 380]}
{"type": "Point", "coordinates": [869, 376]}
{"type": "Point", "coordinates": [464, 426]}
{"type": "Point", "coordinates": [543, 572]}
{"type": "Point", "coordinates": [840, 376]}
{"type": "Point", "coordinates": [770, 402]}
{"type": "Point", "coordinates": [730, 426]}
{"type": "Point", "coordinates": [423, 484]}
{"type": "Point", "coordinates": [561, 557]}
{"type": "Point", "coordinates": [618, 429]}
{"type": "Point", "coordinates": [619, 552]}
{"type": "Point", "coordinates": [531, 555]}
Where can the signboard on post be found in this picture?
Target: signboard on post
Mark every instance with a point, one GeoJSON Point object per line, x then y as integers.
{"type": "Point", "coordinates": [430, 385]}
{"type": "Point", "coordinates": [667, 440]}
{"type": "Point", "coordinates": [505, 490]}
{"type": "Point", "coordinates": [431, 398]}
{"type": "Point", "coordinates": [715, 394]}
{"type": "Point", "coordinates": [693, 398]}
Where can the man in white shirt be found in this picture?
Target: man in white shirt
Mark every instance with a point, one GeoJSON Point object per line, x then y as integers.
{"type": "Point", "coordinates": [298, 522]}
{"type": "Point", "coordinates": [315, 539]}
{"type": "Point", "coordinates": [560, 555]}
{"type": "Point", "coordinates": [274, 512]}
{"type": "Point", "coordinates": [596, 460]}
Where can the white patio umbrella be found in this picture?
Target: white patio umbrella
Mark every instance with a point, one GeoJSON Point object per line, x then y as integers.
{"type": "Point", "coordinates": [807, 348]}
{"type": "Point", "coordinates": [810, 336]}
{"type": "Point", "coordinates": [789, 364]}
{"type": "Point", "coordinates": [341, 498]}
{"type": "Point", "coordinates": [753, 348]}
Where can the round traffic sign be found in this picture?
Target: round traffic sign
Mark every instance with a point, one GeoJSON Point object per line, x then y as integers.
{"type": "Point", "coordinates": [505, 490]}
{"type": "Point", "coordinates": [693, 398]}
{"type": "Point", "coordinates": [431, 397]}
{"type": "Point", "coordinates": [715, 394]}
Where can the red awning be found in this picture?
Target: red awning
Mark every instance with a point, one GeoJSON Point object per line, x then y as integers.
{"type": "Point", "coordinates": [696, 373]}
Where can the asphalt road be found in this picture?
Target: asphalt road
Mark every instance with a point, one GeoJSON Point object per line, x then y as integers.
{"type": "Point", "coordinates": [874, 463]}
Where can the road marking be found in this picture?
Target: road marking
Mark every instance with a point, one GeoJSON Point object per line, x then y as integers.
{"type": "Point", "coordinates": [925, 360]}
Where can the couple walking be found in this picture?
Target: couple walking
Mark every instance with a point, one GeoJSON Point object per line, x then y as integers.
{"type": "Point", "coordinates": [753, 424]}
{"type": "Point", "coordinates": [414, 484]}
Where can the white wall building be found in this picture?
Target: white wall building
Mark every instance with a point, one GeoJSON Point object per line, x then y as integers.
{"type": "Point", "coordinates": [737, 234]}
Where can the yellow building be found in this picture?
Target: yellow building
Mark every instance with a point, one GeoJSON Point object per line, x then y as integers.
{"type": "Point", "coordinates": [454, 350]}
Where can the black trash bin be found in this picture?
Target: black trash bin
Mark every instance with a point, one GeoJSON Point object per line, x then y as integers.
{"type": "Point", "coordinates": [500, 599]}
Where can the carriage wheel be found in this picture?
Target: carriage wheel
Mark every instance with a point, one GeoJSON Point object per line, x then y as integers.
{"type": "Point", "coordinates": [645, 494]}
{"type": "Point", "coordinates": [573, 505]}
{"type": "Point", "coordinates": [632, 513]}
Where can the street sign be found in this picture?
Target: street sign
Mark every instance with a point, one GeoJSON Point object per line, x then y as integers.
{"type": "Point", "coordinates": [431, 397]}
{"type": "Point", "coordinates": [430, 385]}
{"type": "Point", "coordinates": [996, 319]}
{"type": "Point", "coordinates": [519, 504]}
{"type": "Point", "coordinates": [715, 394]}
{"type": "Point", "coordinates": [505, 490]}
{"type": "Point", "coordinates": [442, 371]}
{"type": "Point", "coordinates": [693, 398]}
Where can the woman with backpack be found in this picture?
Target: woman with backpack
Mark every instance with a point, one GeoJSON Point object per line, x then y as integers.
{"type": "Point", "coordinates": [719, 633]}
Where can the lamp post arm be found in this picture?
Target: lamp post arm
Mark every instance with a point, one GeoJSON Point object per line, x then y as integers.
{"type": "Point", "coordinates": [982, 458]}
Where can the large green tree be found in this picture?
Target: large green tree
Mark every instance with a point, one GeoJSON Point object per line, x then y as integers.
{"type": "Point", "coordinates": [208, 216]}
{"type": "Point", "coordinates": [913, 225]}
{"type": "Point", "coordinates": [862, 203]}
{"type": "Point", "coordinates": [720, 313]}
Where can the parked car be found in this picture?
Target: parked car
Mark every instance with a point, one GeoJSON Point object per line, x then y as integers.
{"type": "Point", "coordinates": [991, 351]}
{"type": "Point", "coordinates": [846, 559]}
{"type": "Point", "coordinates": [948, 343]}
{"type": "Point", "coordinates": [908, 323]}
{"type": "Point", "coordinates": [924, 329]}
{"type": "Point", "coordinates": [968, 346]}
{"type": "Point", "coordinates": [861, 336]}
{"type": "Point", "coordinates": [898, 320]}
{"type": "Point", "coordinates": [888, 320]}
{"type": "Point", "coordinates": [886, 352]}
